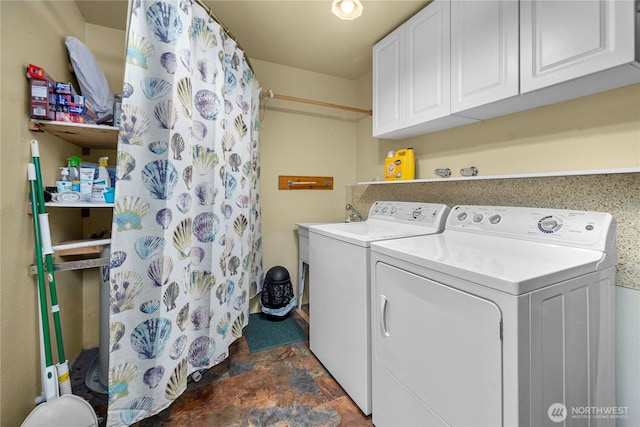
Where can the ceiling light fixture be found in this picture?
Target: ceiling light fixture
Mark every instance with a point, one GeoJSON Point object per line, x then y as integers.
{"type": "Point", "coordinates": [346, 9]}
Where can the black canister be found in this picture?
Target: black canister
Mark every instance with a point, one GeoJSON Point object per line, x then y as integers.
{"type": "Point", "coordinates": [277, 292]}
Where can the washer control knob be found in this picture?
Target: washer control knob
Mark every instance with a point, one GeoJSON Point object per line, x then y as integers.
{"type": "Point", "coordinates": [549, 223]}
{"type": "Point", "coordinates": [494, 219]}
{"type": "Point", "coordinates": [462, 216]}
{"type": "Point", "coordinates": [417, 213]}
{"type": "Point", "coordinates": [477, 217]}
{"type": "Point", "coordinates": [394, 209]}
{"type": "Point", "coordinates": [385, 209]}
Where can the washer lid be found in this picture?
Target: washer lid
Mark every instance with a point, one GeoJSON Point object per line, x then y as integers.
{"type": "Point", "coordinates": [389, 220]}
{"type": "Point", "coordinates": [508, 265]}
{"type": "Point", "coordinates": [363, 233]}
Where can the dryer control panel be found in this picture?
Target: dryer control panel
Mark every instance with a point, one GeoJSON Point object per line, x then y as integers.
{"type": "Point", "coordinates": [409, 212]}
{"type": "Point", "coordinates": [584, 229]}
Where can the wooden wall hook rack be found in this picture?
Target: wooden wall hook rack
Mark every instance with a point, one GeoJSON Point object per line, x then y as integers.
{"type": "Point", "coordinates": [297, 182]}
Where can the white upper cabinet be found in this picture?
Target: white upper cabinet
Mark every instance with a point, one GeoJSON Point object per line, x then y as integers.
{"type": "Point", "coordinates": [411, 76]}
{"type": "Point", "coordinates": [567, 39]}
{"type": "Point", "coordinates": [484, 52]}
{"type": "Point", "coordinates": [388, 83]}
{"type": "Point", "coordinates": [427, 74]}
{"type": "Point", "coordinates": [459, 61]}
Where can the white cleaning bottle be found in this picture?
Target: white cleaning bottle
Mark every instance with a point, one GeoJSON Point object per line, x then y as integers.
{"type": "Point", "coordinates": [102, 182]}
{"type": "Point", "coordinates": [64, 183]}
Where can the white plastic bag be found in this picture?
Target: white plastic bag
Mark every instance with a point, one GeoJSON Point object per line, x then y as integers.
{"type": "Point", "coordinates": [93, 83]}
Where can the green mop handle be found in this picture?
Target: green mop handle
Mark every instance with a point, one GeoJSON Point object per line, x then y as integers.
{"type": "Point", "coordinates": [40, 269]}
{"type": "Point", "coordinates": [42, 216]}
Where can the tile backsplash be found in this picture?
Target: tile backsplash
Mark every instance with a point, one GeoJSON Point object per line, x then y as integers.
{"type": "Point", "coordinates": [618, 194]}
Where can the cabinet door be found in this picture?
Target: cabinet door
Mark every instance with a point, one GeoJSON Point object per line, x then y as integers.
{"type": "Point", "coordinates": [567, 39]}
{"type": "Point", "coordinates": [484, 52]}
{"type": "Point", "coordinates": [428, 81]}
{"type": "Point", "coordinates": [388, 83]}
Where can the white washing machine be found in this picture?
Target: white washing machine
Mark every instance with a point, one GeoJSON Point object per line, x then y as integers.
{"type": "Point", "coordinates": [504, 319]}
{"type": "Point", "coordinates": [339, 287]}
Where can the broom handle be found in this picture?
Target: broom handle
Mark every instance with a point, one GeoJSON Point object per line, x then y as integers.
{"type": "Point", "coordinates": [40, 268]}
{"type": "Point", "coordinates": [49, 383]}
{"type": "Point", "coordinates": [55, 309]}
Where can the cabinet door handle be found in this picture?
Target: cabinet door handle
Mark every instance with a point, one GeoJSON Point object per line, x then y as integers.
{"type": "Point", "coordinates": [383, 312]}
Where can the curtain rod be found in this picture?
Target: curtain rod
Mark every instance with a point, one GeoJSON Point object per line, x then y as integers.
{"type": "Point", "coordinates": [227, 30]}
{"type": "Point", "coordinates": [270, 94]}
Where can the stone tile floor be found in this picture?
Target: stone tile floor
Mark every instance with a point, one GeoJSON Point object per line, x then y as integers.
{"type": "Point", "coordinates": [282, 386]}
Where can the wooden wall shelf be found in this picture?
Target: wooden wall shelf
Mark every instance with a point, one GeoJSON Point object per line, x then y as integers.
{"type": "Point", "coordinates": [82, 135]}
{"type": "Point", "coordinates": [75, 265]}
{"type": "Point", "coordinates": [86, 136]}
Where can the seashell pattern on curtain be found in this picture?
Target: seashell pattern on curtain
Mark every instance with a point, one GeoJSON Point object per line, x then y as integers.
{"type": "Point", "coordinates": [186, 237]}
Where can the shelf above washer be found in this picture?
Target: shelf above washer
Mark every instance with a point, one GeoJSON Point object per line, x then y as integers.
{"type": "Point", "coordinates": [508, 176]}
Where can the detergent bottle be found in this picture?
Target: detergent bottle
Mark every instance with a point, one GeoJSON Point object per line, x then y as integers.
{"type": "Point", "coordinates": [400, 165]}
{"type": "Point", "coordinates": [102, 182]}
{"type": "Point", "coordinates": [389, 166]}
{"type": "Point", "coordinates": [405, 164]}
{"type": "Point", "coordinates": [103, 173]}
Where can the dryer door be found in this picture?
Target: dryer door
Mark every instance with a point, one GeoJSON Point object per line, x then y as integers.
{"type": "Point", "coordinates": [437, 353]}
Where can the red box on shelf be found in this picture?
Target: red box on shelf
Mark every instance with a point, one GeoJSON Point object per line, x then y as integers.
{"type": "Point", "coordinates": [35, 72]}
{"type": "Point", "coordinates": [62, 116]}
{"type": "Point", "coordinates": [41, 95]}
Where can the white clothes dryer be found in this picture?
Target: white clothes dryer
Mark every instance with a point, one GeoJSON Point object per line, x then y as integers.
{"type": "Point", "coordinates": [504, 319]}
{"type": "Point", "coordinates": [339, 287]}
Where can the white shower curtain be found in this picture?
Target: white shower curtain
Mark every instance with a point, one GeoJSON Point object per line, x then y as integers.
{"type": "Point", "coordinates": [186, 250]}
